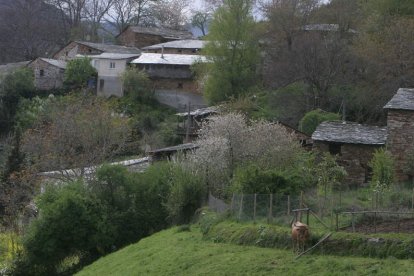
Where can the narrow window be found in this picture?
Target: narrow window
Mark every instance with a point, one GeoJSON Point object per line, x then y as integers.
{"type": "Point", "coordinates": [42, 72]}
{"type": "Point", "coordinates": [112, 65]}
{"type": "Point", "coordinates": [180, 85]}
{"type": "Point", "coordinates": [101, 84]}
{"type": "Point", "coordinates": [179, 51]}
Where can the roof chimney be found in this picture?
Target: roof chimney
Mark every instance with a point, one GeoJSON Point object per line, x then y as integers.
{"type": "Point", "coordinates": [162, 51]}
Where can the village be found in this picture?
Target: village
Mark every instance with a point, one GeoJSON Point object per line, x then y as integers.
{"type": "Point", "coordinates": [291, 132]}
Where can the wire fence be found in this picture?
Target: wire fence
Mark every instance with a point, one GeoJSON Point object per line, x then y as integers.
{"type": "Point", "coordinates": [355, 210]}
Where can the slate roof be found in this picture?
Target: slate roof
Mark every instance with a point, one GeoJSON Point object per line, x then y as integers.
{"type": "Point", "coordinates": [403, 99]}
{"type": "Point", "coordinates": [113, 56]}
{"type": "Point", "coordinates": [179, 44]}
{"type": "Point", "coordinates": [171, 59]}
{"type": "Point", "coordinates": [324, 28]}
{"type": "Point", "coordinates": [10, 67]}
{"type": "Point", "coordinates": [164, 32]}
{"type": "Point", "coordinates": [350, 133]}
{"type": "Point", "coordinates": [109, 48]}
{"type": "Point", "coordinates": [200, 112]}
{"type": "Point", "coordinates": [55, 62]}
{"type": "Point", "coordinates": [173, 149]}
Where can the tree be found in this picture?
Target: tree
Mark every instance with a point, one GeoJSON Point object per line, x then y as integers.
{"type": "Point", "coordinates": [286, 17]}
{"type": "Point", "coordinates": [229, 141]}
{"type": "Point", "coordinates": [313, 118]}
{"type": "Point", "coordinates": [78, 72]}
{"type": "Point", "coordinates": [95, 11]}
{"type": "Point", "coordinates": [137, 85]}
{"type": "Point", "coordinates": [200, 20]}
{"type": "Point", "coordinates": [14, 87]}
{"type": "Point", "coordinates": [169, 13]}
{"type": "Point", "coordinates": [129, 12]}
{"type": "Point", "coordinates": [232, 49]}
{"type": "Point", "coordinates": [75, 133]}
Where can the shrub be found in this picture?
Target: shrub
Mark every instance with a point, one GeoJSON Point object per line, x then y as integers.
{"type": "Point", "coordinates": [382, 164]}
{"type": "Point", "coordinates": [312, 119]}
{"type": "Point", "coordinates": [186, 195]}
{"type": "Point", "coordinates": [137, 85]}
{"type": "Point", "coordinates": [78, 72]}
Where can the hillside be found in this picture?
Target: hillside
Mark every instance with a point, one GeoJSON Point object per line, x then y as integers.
{"type": "Point", "coordinates": [171, 252]}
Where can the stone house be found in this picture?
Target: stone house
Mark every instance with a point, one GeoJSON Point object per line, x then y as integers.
{"type": "Point", "coordinates": [110, 67]}
{"type": "Point", "coordinates": [400, 121]}
{"type": "Point", "coordinates": [353, 144]}
{"type": "Point", "coordinates": [48, 73]}
{"type": "Point", "coordinates": [75, 48]}
{"type": "Point", "coordinates": [139, 36]}
{"type": "Point", "coordinates": [187, 47]}
{"type": "Point", "coordinates": [173, 80]}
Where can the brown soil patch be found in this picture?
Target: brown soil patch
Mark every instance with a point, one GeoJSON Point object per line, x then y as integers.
{"type": "Point", "coordinates": [384, 226]}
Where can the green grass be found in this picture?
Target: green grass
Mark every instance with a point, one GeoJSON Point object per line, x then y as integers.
{"type": "Point", "coordinates": [173, 252]}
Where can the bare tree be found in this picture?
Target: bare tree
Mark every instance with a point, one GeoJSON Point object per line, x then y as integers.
{"type": "Point", "coordinates": [286, 17]}
{"type": "Point", "coordinates": [95, 11]}
{"type": "Point", "coordinates": [200, 20]}
{"type": "Point", "coordinates": [128, 12]}
{"type": "Point", "coordinates": [75, 134]}
{"type": "Point", "coordinates": [72, 11]}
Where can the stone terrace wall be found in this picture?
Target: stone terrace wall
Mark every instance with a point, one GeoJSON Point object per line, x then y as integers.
{"type": "Point", "coordinates": [354, 158]}
{"type": "Point", "coordinates": [401, 139]}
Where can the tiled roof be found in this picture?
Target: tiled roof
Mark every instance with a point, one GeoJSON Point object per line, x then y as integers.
{"type": "Point", "coordinates": [109, 48]}
{"type": "Point", "coordinates": [403, 99]}
{"type": "Point", "coordinates": [179, 44]}
{"type": "Point", "coordinates": [172, 59]}
{"type": "Point", "coordinates": [350, 133]}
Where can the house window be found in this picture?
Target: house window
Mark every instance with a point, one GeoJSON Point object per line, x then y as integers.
{"type": "Point", "coordinates": [335, 148]}
{"type": "Point", "coordinates": [179, 51]}
{"type": "Point", "coordinates": [112, 65]}
{"type": "Point", "coordinates": [101, 84]}
{"type": "Point", "coordinates": [180, 85]}
{"type": "Point", "coordinates": [42, 72]}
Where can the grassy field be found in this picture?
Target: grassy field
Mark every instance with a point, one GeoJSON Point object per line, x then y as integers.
{"type": "Point", "coordinates": [171, 252]}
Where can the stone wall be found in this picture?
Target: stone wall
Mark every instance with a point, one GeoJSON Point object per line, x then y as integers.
{"type": "Point", "coordinates": [354, 158]}
{"type": "Point", "coordinates": [139, 40]}
{"type": "Point", "coordinates": [47, 76]}
{"type": "Point", "coordinates": [72, 49]}
{"type": "Point", "coordinates": [400, 140]}
{"type": "Point", "coordinates": [186, 85]}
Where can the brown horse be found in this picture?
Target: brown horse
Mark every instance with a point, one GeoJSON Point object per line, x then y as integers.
{"type": "Point", "coordinates": [300, 235]}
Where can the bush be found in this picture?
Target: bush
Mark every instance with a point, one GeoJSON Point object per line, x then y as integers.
{"type": "Point", "coordinates": [253, 180]}
{"type": "Point", "coordinates": [312, 119]}
{"type": "Point", "coordinates": [78, 72]}
{"type": "Point", "coordinates": [382, 164]}
{"type": "Point", "coordinates": [72, 222]}
{"type": "Point", "coordinates": [186, 195]}
{"type": "Point", "coordinates": [137, 85]}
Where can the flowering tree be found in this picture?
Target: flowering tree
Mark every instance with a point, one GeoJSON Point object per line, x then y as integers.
{"type": "Point", "coordinates": [230, 141]}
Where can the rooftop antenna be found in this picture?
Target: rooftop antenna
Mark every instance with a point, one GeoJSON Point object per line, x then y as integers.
{"type": "Point", "coordinates": [162, 51]}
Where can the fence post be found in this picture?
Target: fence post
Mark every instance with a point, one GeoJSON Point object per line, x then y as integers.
{"type": "Point", "coordinates": [337, 221]}
{"type": "Point", "coordinates": [241, 206]}
{"type": "Point", "coordinates": [307, 216]}
{"type": "Point", "coordinates": [288, 205]}
{"type": "Point", "coordinates": [375, 221]}
{"type": "Point", "coordinates": [353, 222]}
{"type": "Point", "coordinates": [412, 201]}
{"type": "Point", "coordinates": [301, 205]}
{"type": "Point", "coordinates": [270, 208]}
{"type": "Point", "coordinates": [232, 205]}
{"type": "Point", "coordinates": [398, 217]}
{"type": "Point", "coordinates": [254, 210]}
